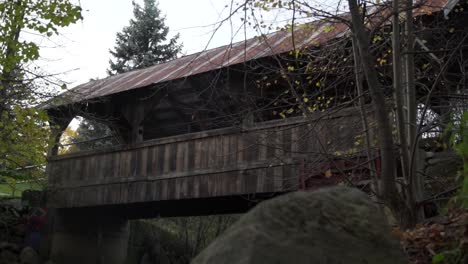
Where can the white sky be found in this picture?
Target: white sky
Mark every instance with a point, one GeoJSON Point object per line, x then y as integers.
{"type": "Point", "coordinates": [82, 50]}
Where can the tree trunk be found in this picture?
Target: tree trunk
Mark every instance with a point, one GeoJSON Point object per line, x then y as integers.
{"type": "Point", "coordinates": [398, 95]}
{"type": "Point", "coordinates": [416, 179]}
{"type": "Point", "coordinates": [388, 190]}
{"type": "Point", "coordinates": [365, 123]}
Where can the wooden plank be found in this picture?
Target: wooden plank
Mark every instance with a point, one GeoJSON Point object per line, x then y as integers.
{"type": "Point", "coordinates": [161, 160]}
{"type": "Point", "coordinates": [153, 191]}
{"type": "Point", "coordinates": [250, 181]}
{"type": "Point", "coordinates": [171, 189]}
{"type": "Point", "coordinates": [240, 148]}
{"type": "Point", "coordinates": [278, 178]}
{"type": "Point", "coordinates": [279, 151]}
{"type": "Point", "coordinates": [116, 190]}
{"type": "Point", "coordinates": [205, 152]}
{"type": "Point", "coordinates": [177, 188]}
{"type": "Point", "coordinates": [196, 187]}
{"type": "Point", "coordinates": [211, 182]}
{"type": "Point", "coordinates": [212, 155]}
{"type": "Point", "coordinates": [142, 161]}
{"type": "Point", "coordinates": [225, 152]}
{"type": "Point", "coordinates": [315, 136]}
{"type": "Point", "coordinates": [185, 192]}
{"type": "Point", "coordinates": [110, 166]}
{"type": "Point", "coordinates": [222, 185]}
{"type": "Point", "coordinates": [219, 160]}
{"type": "Point", "coordinates": [203, 187]}
{"type": "Point", "coordinates": [124, 193]}
{"type": "Point", "coordinates": [290, 181]}
{"type": "Point", "coordinates": [262, 145]}
{"type": "Point", "coordinates": [269, 180]}
{"type": "Point", "coordinates": [157, 192]}
{"type": "Point", "coordinates": [271, 144]}
{"type": "Point", "coordinates": [77, 169]}
{"type": "Point", "coordinates": [181, 156]}
{"type": "Point", "coordinates": [106, 190]}
{"type": "Point", "coordinates": [70, 175]}
{"type": "Point", "coordinates": [89, 169]}
{"type": "Point", "coordinates": [294, 140]}
{"type": "Point", "coordinates": [173, 157]}
{"type": "Point", "coordinates": [98, 167]}
{"type": "Point", "coordinates": [142, 188]}
{"type": "Point", "coordinates": [254, 147]}
{"type": "Point", "coordinates": [164, 190]}
{"type": "Point", "coordinates": [198, 153]}
{"type": "Point", "coordinates": [133, 163]}
{"type": "Point", "coordinates": [167, 158]}
{"type": "Point", "coordinates": [305, 139]}
{"type": "Point", "coordinates": [238, 182]}
{"type": "Point", "coordinates": [233, 149]}
{"type": "Point", "coordinates": [123, 167]}
{"type": "Point", "coordinates": [287, 141]}
{"type": "Point", "coordinates": [261, 180]}
{"type": "Point", "coordinates": [230, 179]}
{"type": "Point", "coordinates": [99, 195]}
{"type": "Point", "coordinates": [117, 166]}
{"type": "Point", "coordinates": [191, 155]}
{"type": "Point", "coordinates": [149, 161]}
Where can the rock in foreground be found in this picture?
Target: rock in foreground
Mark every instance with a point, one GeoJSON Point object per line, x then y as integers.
{"type": "Point", "coordinates": [334, 225]}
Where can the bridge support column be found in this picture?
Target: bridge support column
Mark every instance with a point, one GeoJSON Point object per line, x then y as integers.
{"type": "Point", "coordinates": [88, 237]}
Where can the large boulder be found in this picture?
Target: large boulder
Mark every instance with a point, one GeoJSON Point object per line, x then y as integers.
{"type": "Point", "coordinates": [333, 225]}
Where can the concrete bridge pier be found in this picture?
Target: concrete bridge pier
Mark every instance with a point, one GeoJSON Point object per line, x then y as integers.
{"type": "Point", "coordinates": [81, 237]}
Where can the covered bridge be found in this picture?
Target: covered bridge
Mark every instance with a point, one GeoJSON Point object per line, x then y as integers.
{"type": "Point", "coordinates": [216, 131]}
{"type": "Point", "coordinates": [246, 120]}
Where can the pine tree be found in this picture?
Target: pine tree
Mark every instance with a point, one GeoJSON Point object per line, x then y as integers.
{"type": "Point", "coordinates": [144, 42]}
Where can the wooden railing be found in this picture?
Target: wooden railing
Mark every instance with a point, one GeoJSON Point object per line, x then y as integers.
{"type": "Point", "coordinates": [230, 161]}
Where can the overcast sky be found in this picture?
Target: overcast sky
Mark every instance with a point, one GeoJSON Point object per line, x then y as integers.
{"type": "Point", "coordinates": [82, 50]}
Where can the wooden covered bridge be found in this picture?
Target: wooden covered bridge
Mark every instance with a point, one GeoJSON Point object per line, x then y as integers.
{"type": "Point", "coordinates": [209, 133]}
{"type": "Point", "coordinates": [218, 130]}
{"type": "Point", "coordinates": [212, 132]}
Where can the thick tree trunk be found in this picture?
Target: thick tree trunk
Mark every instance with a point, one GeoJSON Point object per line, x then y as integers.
{"type": "Point", "coordinates": [388, 190]}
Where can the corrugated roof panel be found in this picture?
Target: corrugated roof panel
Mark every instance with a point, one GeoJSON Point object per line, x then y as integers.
{"type": "Point", "coordinates": [254, 48]}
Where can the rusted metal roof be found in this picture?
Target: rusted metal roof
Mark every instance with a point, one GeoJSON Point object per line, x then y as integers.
{"type": "Point", "coordinates": [275, 43]}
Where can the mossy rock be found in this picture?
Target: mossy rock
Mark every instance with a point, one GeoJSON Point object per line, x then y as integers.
{"type": "Point", "coordinates": [333, 225]}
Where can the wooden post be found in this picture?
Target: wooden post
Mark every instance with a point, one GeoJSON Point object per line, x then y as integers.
{"type": "Point", "coordinates": [58, 122]}
{"type": "Point", "coordinates": [134, 111]}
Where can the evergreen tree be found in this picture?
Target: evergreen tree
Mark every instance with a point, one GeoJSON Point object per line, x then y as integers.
{"type": "Point", "coordinates": [144, 42]}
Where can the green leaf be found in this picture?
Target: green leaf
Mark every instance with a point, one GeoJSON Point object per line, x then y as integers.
{"type": "Point", "coordinates": [438, 258]}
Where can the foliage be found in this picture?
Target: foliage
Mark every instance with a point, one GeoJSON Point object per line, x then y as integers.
{"type": "Point", "coordinates": [458, 140]}
{"type": "Point", "coordinates": [89, 135]}
{"type": "Point", "coordinates": [66, 141]}
{"type": "Point", "coordinates": [144, 42]}
{"type": "Point", "coordinates": [181, 238]}
{"type": "Point", "coordinates": [24, 132]}
{"type": "Point", "coordinates": [40, 16]}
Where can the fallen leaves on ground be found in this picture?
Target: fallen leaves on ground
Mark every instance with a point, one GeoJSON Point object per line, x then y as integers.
{"type": "Point", "coordinates": [440, 240]}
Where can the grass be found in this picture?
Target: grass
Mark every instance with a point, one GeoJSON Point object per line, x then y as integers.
{"type": "Point", "coordinates": [7, 191]}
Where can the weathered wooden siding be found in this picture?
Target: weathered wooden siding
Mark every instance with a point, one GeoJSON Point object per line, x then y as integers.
{"type": "Point", "coordinates": [232, 161]}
